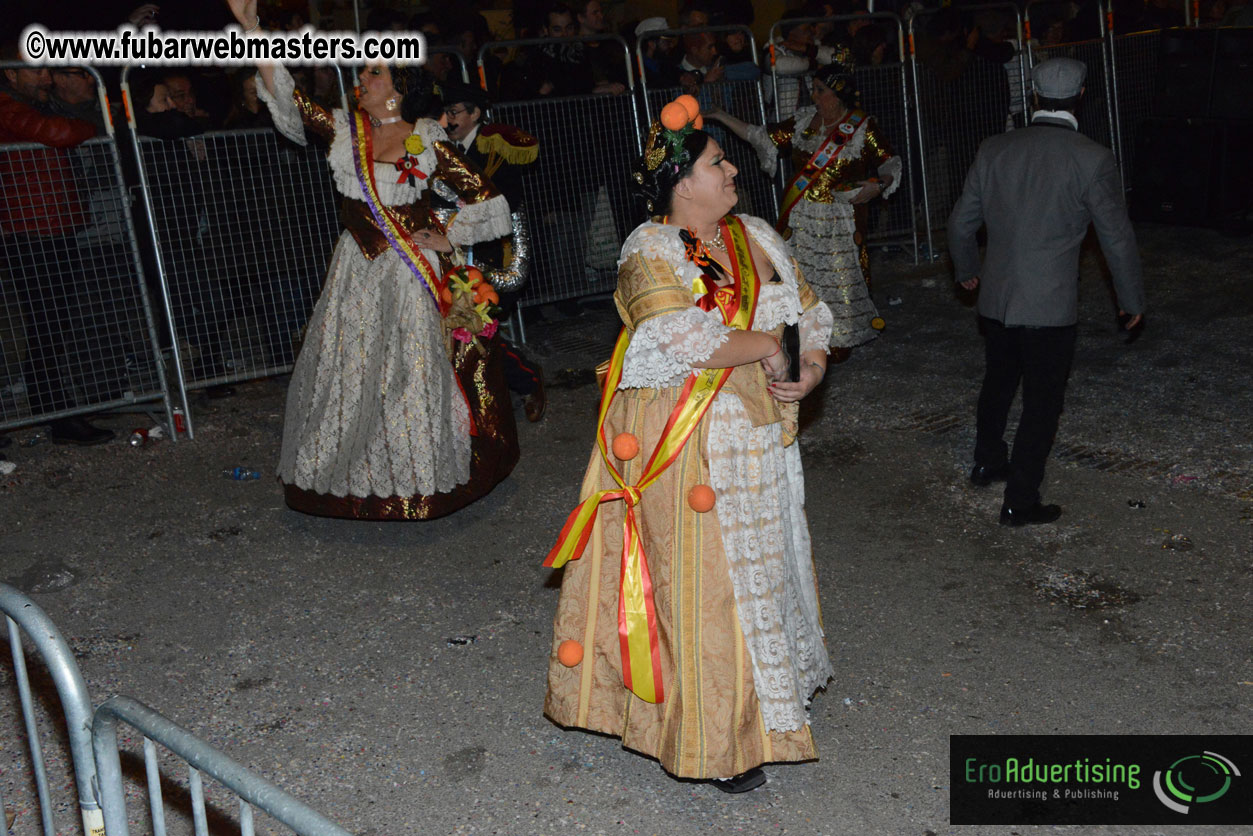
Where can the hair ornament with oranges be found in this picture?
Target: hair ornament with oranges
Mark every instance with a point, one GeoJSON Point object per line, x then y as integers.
{"type": "Point", "coordinates": [675, 140]}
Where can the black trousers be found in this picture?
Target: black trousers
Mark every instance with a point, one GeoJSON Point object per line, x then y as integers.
{"type": "Point", "coordinates": [1039, 359]}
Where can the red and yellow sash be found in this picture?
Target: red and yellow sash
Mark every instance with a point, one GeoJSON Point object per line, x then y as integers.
{"type": "Point", "coordinates": [637, 618]}
{"type": "Point", "coordinates": [396, 235]}
{"type": "Point", "coordinates": [828, 153]}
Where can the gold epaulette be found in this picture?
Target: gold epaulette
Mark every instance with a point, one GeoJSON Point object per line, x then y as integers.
{"type": "Point", "coordinates": [510, 144]}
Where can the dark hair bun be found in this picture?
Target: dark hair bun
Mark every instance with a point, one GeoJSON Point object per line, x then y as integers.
{"type": "Point", "coordinates": [653, 189]}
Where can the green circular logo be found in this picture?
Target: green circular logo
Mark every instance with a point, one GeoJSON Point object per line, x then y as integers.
{"type": "Point", "coordinates": [1194, 779]}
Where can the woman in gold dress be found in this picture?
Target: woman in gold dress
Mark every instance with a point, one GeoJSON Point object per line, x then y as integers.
{"type": "Point", "coordinates": [694, 635]}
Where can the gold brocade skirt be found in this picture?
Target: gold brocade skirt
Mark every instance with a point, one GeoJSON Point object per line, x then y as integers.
{"type": "Point", "coordinates": [709, 724]}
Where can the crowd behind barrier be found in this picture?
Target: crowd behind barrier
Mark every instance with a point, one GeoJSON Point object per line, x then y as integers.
{"type": "Point", "coordinates": [235, 224]}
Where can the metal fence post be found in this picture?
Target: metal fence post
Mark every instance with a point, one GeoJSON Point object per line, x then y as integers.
{"type": "Point", "coordinates": [23, 613]}
{"type": "Point", "coordinates": [584, 146]}
{"type": "Point", "coordinates": [75, 280]}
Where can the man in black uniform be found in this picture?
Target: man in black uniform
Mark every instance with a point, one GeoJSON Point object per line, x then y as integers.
{"type": "Point", "coordinates": [499, 151]}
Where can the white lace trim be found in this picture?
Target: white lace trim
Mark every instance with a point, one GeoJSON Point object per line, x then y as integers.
{"type": "Point", "coordinates": [665, 349]}
{"type": "Point", "coordinates": [283, 109]}
{"type": "Point", "coordinates": [815, 327]}
{"type": "Point", "coordinates": [477, 222]}
{"type": "Point", "coordinates": [761, 498]}
{"type": "Point", "coordinates": [767, 152]}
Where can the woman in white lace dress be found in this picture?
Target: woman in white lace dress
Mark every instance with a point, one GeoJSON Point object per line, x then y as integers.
{"type": "Point", "coordinates": [381, 422]}
{"type": "Point", "coordinates": [842, 163]}
{"type": "Point", "coordinates": [705, 650]}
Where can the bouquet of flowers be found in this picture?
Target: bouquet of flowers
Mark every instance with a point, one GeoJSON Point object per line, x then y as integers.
{"type": "Point", "coordinates": [471, 306]}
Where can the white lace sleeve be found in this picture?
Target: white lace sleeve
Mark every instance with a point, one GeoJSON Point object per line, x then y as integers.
{"type": "Point", "coordinates": [282, 106]}
{"type": "Point", "coordinates": [767, 151]}
{"type": "Point", "coordinates": [484, 221]}
{"type": "Point", "coordinates": [664, 349]}
{"type": "Point", "coordinates": [815, 326]}
{"type": "Point", "coordinates": [891, 168]}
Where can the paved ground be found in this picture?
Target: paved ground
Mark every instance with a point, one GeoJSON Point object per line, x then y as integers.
{"type": "Point", "coordinates": [392, 674]}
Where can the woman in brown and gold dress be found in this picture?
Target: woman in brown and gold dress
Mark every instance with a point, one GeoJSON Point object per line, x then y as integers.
{"type": "Point", "coordinates": [381, 422]}
{"type": "Point", "coordinates": [842, 163]}
{"type": "Point", "coordinates": [688, 623]}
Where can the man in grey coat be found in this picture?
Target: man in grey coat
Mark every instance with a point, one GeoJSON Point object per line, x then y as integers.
{"type": "Point", "coordinates": [1036, 190]}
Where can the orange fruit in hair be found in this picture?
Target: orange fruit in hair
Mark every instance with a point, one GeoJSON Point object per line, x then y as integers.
{"type": "Point", "coordinates": [473, 275]}
{"type": "Point", "coordinates": [625, 447]}
{"type": "Point", "coordinates": [446, 295]}
{"type": "Point", "coordinates": [699, 122]}
{"type": "Point", "coordinates": [690, 105]}
{"type": "Point", "coordinates": [491, 296]}
{"type": "Point", "coordinates": [674, 117]}
{"type": "Point", "coordinates": [569, 653]}
{"type": "Point", "coordinates": [701, 498]}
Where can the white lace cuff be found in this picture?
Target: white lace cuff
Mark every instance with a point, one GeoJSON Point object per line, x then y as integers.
{"type": "Point", "coordinates": [665, 349]}
{"type": "Point", "coordinates": [477, 222]}
{"type": "Point", "coordinates": [815, 326]}
{"type": "Point", "coordinates": [767, 151]}
{"type": "Point", "coordinates": [282, 106]}
{"type": "Point", "coordinates": [891, 168]}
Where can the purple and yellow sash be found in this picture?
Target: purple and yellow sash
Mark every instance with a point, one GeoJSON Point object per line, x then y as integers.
{"type": "Point", "coordinates": [637, 617]}
{"type": "Point", "coordinates": [399, 239]}
{"type": "Point", "coordinates": [828, 153]}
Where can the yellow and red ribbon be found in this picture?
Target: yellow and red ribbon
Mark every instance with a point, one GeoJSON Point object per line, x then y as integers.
{"type": "Point", "coordinates": [637, 617]}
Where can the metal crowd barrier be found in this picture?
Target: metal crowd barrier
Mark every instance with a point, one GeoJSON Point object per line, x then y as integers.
{"type": "Point", "coordinates": [24, 617]}
{"type": "Point", "coordinates": [1134, 83]}
{"type": "Point", "coordinates": [884, 90]}
{"type": "Point", "coordinates": [95, 759]}
{"type": "Point", "coordinates": [957, 106]}
{"type": "Point", "coordinates": [743, 99]}
{"type": "Point", "coordinates": [576, 196]}
{"type": "Point", "coordinates": [77, 333]}
{"type": "Point", "coordinates": [242, 224]}
{"type": "Point", "coordinates": [201, 758]}
{"type": "Point", "coordinates": [1096, 108]}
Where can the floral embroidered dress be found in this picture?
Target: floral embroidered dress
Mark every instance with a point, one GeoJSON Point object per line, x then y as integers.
{"type": "Point", "coordinates": [734, 590]}
{"type": "Point", "coordinates": [380, 424]}
{"type": "Point", "coordinates": [828, 233]}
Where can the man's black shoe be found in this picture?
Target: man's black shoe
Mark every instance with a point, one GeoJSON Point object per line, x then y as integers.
{"type": "Point", "coordinates": [981, 475]}
{"type": "Point", "coordinates": [78, 431]}
{"type": "Point", "coordinates": [1034, 515]}
{"type": "Point", "coordinates": [745, 781]}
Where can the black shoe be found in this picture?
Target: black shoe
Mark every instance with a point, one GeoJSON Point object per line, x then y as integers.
{"type": "Point", "coordinates": [981, 475]}
{"type": "Point", "coordinates": [1034, 515]}
{"type": "Point", "coordinates": [745, 781]}
{"type": "Point", "coordinates": [78, 431]}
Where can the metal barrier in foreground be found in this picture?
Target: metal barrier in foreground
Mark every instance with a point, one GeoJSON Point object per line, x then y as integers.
{"type": "Point", "coordinates": [93, 744]}
{"type": "Point", "coordinates": [252, 789]}
{"type": "Point", "coordinates": [23, 616]}
{"type": "Point", "coordinates": [576, 193]}
{"type": "Point", "coordinates": [77, 333]}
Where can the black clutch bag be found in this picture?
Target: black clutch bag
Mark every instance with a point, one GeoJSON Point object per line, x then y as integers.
{"type": "Point", "coordinates": [791, 344]}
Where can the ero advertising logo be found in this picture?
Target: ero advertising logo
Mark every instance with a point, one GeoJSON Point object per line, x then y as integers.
{"type": "Point", "coordinates": [1099, 779]}
{"type": "Point", "coordinates": [1194, 779]}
